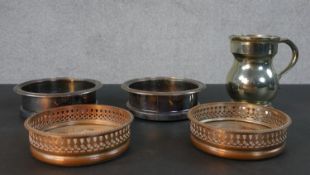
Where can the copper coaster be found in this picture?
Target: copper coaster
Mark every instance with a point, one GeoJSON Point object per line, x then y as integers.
{"type": "Point", "coordinates": [79, 134]}
{"type": "Point", "coordinates": [238, 130]}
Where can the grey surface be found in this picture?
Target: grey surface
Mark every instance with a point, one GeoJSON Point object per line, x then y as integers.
{"type": "Point", "coordinates": [162, 147]}
{"type": "Point", "coordinates": [116, 40]}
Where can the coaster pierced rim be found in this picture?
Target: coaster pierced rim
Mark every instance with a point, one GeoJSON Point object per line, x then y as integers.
{"type": "Point", "coordinates": [78, 135]}
{"type": "Point", "coordinates": [238, 130]}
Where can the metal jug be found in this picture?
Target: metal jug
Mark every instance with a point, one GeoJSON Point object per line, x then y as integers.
{"type": "Point", "coordinates": [252, 77]}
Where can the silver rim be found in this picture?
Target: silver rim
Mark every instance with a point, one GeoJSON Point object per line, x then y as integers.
{"type": "Point", "coordinates": [254, 37]}
{"type": "Point", "coordinates": [126, 86]}
{"type": "Point", "coordinates": [19, 88]}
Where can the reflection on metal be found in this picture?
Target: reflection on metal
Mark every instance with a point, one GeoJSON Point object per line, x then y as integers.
{"type": "Point", "coordinates": [262, 80]}
{"type": "Point", "coordinates": [243, 79]}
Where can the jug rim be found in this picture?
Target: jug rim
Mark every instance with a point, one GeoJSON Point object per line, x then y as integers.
{"type": "Point", "coordinates": [255, 37]}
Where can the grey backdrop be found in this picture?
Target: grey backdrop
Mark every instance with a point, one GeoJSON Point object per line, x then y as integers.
{"type": "Point", "coordinates": [114, 41]}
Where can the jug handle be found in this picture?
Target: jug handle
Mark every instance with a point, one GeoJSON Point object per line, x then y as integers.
{"type": "Point", "coordinates": [294, 55]}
